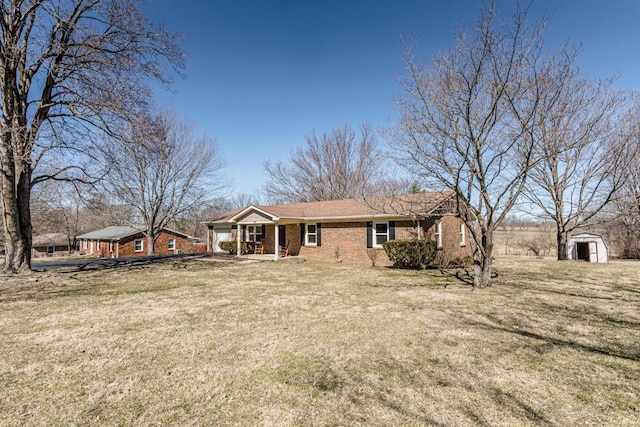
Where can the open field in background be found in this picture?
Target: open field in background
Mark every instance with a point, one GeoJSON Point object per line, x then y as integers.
{"type": "Point", "coordinates": [518, 240]}
{"type": "Point", "coordinates": [288, 343]}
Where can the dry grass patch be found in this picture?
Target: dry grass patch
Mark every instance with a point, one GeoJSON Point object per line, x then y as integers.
{"type": "Point", "coordinates": [297, 344]}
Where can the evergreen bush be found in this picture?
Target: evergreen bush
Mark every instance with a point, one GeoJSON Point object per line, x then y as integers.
{"type": "Point", "coordinates": [414, 254]}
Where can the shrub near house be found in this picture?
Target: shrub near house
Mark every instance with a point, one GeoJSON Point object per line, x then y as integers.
{"type": "Point", "coordinates": [411, 253]}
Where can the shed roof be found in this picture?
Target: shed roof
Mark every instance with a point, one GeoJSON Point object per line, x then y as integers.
{"type": "Point", "coordinates": [585, 234]}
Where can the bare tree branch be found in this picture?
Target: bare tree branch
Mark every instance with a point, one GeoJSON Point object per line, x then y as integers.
{"type": "Point", "coordinates": [581, 147]}
{"type": "Point", "coordinates": [333, 166]}
{"type": "Point", "coordinates": [466, 122]}
{"type": "Point", "coordinates": [67, 68]}
{"type": "Point", "coordinates": [162, 171]}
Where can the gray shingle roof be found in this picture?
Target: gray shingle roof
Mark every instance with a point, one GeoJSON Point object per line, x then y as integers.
{"type": "Point", "coordinates": [50, 239]}
{"type": "Point", "coordinates": [115, 232]}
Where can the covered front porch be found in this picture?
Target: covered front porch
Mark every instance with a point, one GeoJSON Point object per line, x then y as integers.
{"type": "Point", "coordinates": [254, 232]}
{"type": "Point", "coordinates": [265, 235]}
{"type": "Point", "coordinates": [272, 240]}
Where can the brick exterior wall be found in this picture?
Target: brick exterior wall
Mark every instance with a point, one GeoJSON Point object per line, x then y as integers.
{"type": "Point", "coordinates": [351, 240]}
{"type": "Point", "coordinates": [125, 248]}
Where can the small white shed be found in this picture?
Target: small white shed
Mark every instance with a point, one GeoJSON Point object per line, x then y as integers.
{"type": "Point", "coordinates": [588, 247]}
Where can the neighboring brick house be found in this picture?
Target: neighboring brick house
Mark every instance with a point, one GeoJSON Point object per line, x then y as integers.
{"type": "Point", "coordinates": [51, 244]}
{"type": "Point", "coordinates": [124, 241]}
{"type": "Point", "coordinates": [345, 230]}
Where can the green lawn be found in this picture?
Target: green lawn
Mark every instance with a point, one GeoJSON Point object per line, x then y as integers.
{"type": "Point", "coordinates": [290, 343]}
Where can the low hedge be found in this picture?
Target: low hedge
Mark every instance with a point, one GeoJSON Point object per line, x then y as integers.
{"type": "Point", "coordinates": [231, 246]}
{"type": "Point", "coordinates": [415, 254]}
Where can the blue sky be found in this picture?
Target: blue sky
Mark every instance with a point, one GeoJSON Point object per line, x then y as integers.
{"type": "Point", "coordinates": [262, 74]}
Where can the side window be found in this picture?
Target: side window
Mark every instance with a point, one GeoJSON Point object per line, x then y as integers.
{"type": "Point", "coordinates": [438, 234]}
{"type": "Point", "coordinates": [171, 244]}
{"type": "Point", "coordinates": [312, 234]}
{"type": "Point", "coordinates": [381, 230]}
{"type": "Point", "coordinates": [138, 245]}
{"type": "Point", "coordinates": [462, 236]}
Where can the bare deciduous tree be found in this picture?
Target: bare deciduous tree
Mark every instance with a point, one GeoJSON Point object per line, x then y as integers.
{"type": "Point", "coordinates": [100, 210]}
{"type": "Point", "coordinates": [581, 152]}
{"type": "Point", "coordinates": [628, 203]}
{"type": "Point", "coordinates": [68, 66]}
{"type": "Point", "coordinates": [163, 171]}
{"type": "Point", "coordinates": [57, 209]}
{"type": "Point", "coordinates": [334, 166]}
{"type": "Point", "coordinates": [467, 122]}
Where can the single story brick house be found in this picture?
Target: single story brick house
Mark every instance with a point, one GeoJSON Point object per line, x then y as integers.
{"type": "Point", "coordinates": [51, 244]}
{"type": "Point", "coordinates": [122, 241]}
{"type": "Point", "coordinates": [347, 231]}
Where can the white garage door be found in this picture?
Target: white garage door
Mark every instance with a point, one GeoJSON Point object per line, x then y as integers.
{"type": "Point", "coordinates": [221, 234]}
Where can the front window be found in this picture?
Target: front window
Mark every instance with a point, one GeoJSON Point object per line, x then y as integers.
{"type": "Point", "coordinates": [84, 244]}
{"type": "Point", "coordinates": [438, 234]}
{"type": "Point", "coordinates": [171, 244]}
{"type": "Point", "coordinates": [138, 245]}
{"type": "Point", "coordinates": [254, 233]}
{"type": "Point", "coordinates": [381, 230]}
{"type": "Point", "coordinates": [111, 246]}
{"type": "Point", "coordinates": [462, 236]}
{"type": "Point", "coordinates": [50, 249]}
{"type": "Point", "coordinates": [312, 234]}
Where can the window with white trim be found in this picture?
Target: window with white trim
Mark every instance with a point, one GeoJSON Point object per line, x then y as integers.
{"type": "Point", "coordinates": [138, 245]}
{"type": "Point", "coordinates": [312, 234]}
{"type": "Point", "coordinates": [85, 244]}
{"type": "Point", "coordinates": [50, 249]}
{"type": "Point", "coordinates": [254, 233]}
{"type": "Point", "coordinates": [111, 246]}
{"type": "Point", "coordinates": [462, 236]}
{"type": "Point", "coordinates": [438, 234]}
{"type": "Point", "coordinates": [171, 244]}
{"type": "Point", "coordinates": [380, 233]}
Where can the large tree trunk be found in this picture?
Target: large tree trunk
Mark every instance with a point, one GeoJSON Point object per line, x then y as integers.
{"type": "Point", "coordinates": [151, 244]}
{"type": "Point", "coordinates": [483, 260]}
{"type": "Point", "coordinates": [16, 210]}
{"type": "Point", "coordinates": [562, 238]}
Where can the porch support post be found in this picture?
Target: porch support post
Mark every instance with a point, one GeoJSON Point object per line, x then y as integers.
{"type": "Point", "coordinates": [277, 240]}
{"type": "Point", "coordinates": [238, 239]}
